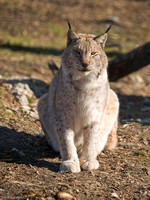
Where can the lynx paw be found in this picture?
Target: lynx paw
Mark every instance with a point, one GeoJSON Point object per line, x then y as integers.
{"type": "Point", "coordinates": [90, 165]}
{"type": "Point", "coordinates": [70, 166]}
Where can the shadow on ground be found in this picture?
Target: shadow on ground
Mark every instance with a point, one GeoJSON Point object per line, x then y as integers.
{"type": "Point", "coordinates": [23, 148]}
{"type": "Point", "coordinates": [36, 50]}
{"type": "Point", "coordinates": [47, 51]}
{"type": "Point", "coordinates": [134, 109]}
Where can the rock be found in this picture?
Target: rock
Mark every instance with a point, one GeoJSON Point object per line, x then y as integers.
{"type": "Point", "coordinates": [113, 19]}
{"type": "Point", "coordinates": [23, 89]}
{"type": "Point", "coordinates": [34, 114]}
{"type": "Point", "coordinates": [28, 86]}
{"type": "Point", "coordinates": [22, 99]}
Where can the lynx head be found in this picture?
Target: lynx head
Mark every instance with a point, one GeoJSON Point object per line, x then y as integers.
{"type": "Point", "coordinates": [84, 55]}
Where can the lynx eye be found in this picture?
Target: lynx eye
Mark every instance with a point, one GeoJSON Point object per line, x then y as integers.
{"type": "Point", "coordinates": [93, 53]}
{"type": "Point", "coordinates": [76, 52]}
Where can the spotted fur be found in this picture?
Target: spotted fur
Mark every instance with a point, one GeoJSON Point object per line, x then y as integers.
{"type": "Point", "coordinates": [79, 114]}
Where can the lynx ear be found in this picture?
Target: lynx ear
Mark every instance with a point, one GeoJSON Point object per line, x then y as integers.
{"type": "Point", "coordinates": [101, 39]}
{"type": "Point", "coordinates": [71, 35]}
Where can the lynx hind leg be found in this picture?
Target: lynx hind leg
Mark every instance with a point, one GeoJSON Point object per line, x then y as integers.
{"type": "Point", "coordinates": [45, 123]}
{"type": "Point", "coordinates": [114, 109]}
{"type": "Point", "coordinates": [112, 139]}
{"type": "Point", "coordinates": [42, 105]}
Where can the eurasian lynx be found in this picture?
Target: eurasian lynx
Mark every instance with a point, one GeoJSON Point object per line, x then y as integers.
{"type": "Point", "coordinates": [79, 114]}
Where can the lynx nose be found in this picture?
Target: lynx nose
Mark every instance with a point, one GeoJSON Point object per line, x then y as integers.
{"type": "Point", "coordinates": [85, 65]}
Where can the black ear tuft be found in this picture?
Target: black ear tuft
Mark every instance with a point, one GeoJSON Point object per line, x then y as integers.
{"type": "Point", "coordinates": [101, 39]}
{"type": "Point", "coordinates": [71, 35]}
{"type": "Point", "coordinates": [108, 29]}
{"type": "Point", "coordinates": [69, 25]}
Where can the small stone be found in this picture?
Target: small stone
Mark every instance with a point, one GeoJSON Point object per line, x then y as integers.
{"type": "Point", "coordinates": [77, 191]}
{"type": "Point", "coordinates": [20, 153]}
{"type": "Point", "coordinates": [49, 198]}
{"type": "Point", "coordinates": [8, 110]}
{"type": "Point", "coordinates": [15, 149]}
{"type": "Point", "coordinates": [125, 125]}
{"type": "Point", "coordinates": [113, 18]}
{"type": "Point", "coordinates": [64, 195]}
{"type": "Point", "coordinates": [114, 195]}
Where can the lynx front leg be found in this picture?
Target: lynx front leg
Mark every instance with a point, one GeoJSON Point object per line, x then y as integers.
{"type": "Point", "coordinates": [68, 151]}
{"type": "Point", "coordinates": [91, 147]}
{"type": "Point", "coordinates": [96, 135]}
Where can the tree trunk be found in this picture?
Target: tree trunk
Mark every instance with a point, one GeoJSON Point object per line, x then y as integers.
{"type": "Point", "coordinates": [130, 62]}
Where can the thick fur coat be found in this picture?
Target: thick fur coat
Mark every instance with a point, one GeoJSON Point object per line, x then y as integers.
{"type": "Point", "coordinates": [79, 114]}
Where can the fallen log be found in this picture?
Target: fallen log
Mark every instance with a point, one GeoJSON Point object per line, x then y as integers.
{"type": "Point", "coordinates": [130, 62]}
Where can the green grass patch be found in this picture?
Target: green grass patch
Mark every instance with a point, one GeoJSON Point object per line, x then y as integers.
{"type": "Point", "coordinates": [30, 49]}
{"type": "Point", "coordinates": [5, 113]}
{"type": "Point", "coordinates": [141, 153]}
{"type": "Point", "coordinates": [51, 39]}
{"type": "Point", "coordinates": [57, 30]}
{"type": "Point", "coordinates": [30, 100]}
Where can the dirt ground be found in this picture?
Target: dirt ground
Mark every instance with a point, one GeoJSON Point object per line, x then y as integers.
{"type": "Point", "coordinates": [29, 169]}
